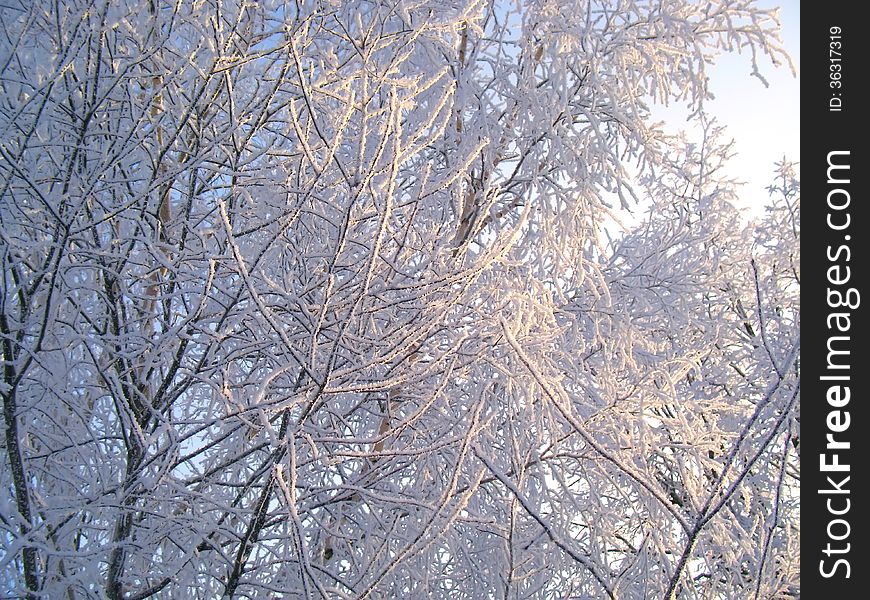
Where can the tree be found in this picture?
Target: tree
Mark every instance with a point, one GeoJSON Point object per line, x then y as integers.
{"type": "Point", "coordinates": [316, 299]}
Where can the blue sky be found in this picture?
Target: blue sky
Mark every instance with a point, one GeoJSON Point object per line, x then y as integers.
{"type": "Point", "coordinates": [763, 121]}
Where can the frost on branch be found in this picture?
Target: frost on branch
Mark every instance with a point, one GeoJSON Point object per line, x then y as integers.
{"type": "Point", "coordinates": [314, 300]}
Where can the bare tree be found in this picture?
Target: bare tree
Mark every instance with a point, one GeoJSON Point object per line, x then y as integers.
{"type": "Point", "coordinates": [316, 299]}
